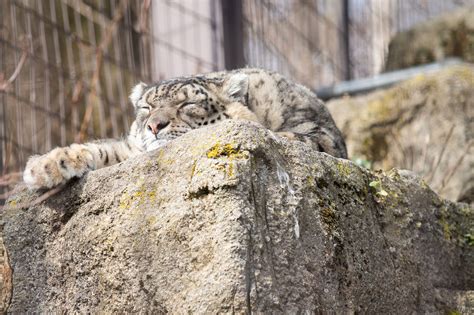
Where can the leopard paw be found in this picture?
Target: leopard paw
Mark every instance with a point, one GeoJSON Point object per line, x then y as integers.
{"type": "Point", "coordinates": [57, 167]}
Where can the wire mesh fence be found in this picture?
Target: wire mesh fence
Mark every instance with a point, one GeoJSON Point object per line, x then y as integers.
{"type": "Point", "coordinates": [66, 66]}
{"type": "Point", "coordinates": [72, 73]}
{"type": "Point", "coordinates": [322, 42]}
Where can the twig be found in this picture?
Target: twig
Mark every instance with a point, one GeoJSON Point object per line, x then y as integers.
{"type": "Point", "coordinates": [400, 147]}
{"type": "Point", "coordinates": [142, 22]}
{"type": "Point", "coordinates": [109, 32]}
{"type": "Point", "coordinates": [455, 167]}
{"type": "Point", "coordinates": [88, 12]}
{"type": "Point", "coordinates": [5, 195]}
{"type": "Point", "coordinates": [445, 144]}
{"type": "Point", "coordinates": [38, 200]}
{"type": "Point", "coordinates": [11, 178]}
{"type": "Point", "coordinates": [5, 84]}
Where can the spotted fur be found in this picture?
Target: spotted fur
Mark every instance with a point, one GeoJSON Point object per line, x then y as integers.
{"type": "Point", "coordinates": [169, 109]}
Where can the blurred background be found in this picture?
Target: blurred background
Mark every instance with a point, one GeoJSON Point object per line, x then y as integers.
{"type": "Point", "coordinates": [67, 66]}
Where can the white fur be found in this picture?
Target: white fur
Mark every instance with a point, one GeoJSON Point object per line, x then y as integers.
{"type": "Point", "coordinates": [237, 85]}
{"type": "Point", "coordinates": [137, 92]}
{"type": "Point", "coordinates": [28, 178]}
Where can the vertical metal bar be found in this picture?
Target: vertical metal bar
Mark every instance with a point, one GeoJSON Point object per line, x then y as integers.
{"type": "Point", "coordinates": [130, 45]}
{"type": "Point", "coordinates": [120, 84]}
{"type": "Point", "coordinates": [142, 68]}
{"type": "Point", "coordinates": [233, 39]}
{"type": "Point", "coordinates": [59, 63]}
{"type": "Point", "coordinates": [109, 86]}
{"type": "Point", "coordinates": [198, 28]}
{"type": "Point", "coordinates": [71, 67]}
{"type": "Point", "coordinates": [214, 34]}
{"type": "Point", "coordinates": [183, 30]}
{"type": "Point", "coordinates": [33, 116]}
{"type": "Point", "coordinates": [47, 95]}
{"type": "Point", "coordinates": [86, 67]}
{"type": "Point", "coordinates": [18, 138]}
{"type": "Point", "coordinates": [100, 105]}
{"type": "Point", "coordinates": [3, 98]}
{"type": "Point", "coordinates": [346, 34]}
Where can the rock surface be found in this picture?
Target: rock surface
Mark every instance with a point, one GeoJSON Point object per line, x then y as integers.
{"type": "Point", "coordinates": [425, 124]}
{"type": "Point", "coordinates": [451, 35]}
{"type": "Point", "coordinates": [233, 219]}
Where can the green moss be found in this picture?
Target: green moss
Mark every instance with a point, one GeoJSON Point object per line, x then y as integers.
{"type": "Point", "coordinates": [469, 239]}
{"type": "Point", "coordinates": [329, 216]}
{"type": "Point", "coordinates": [443, 221]}
{"type": "Point", "coordinates": [393, 174]}
{"type": "Point", "coordinates": [376, 186]}
{"type": "Point", "coordinates": [343, 168]}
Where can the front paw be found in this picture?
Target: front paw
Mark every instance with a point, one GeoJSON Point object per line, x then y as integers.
{"type": "Point", "coordinates": [56, 167]}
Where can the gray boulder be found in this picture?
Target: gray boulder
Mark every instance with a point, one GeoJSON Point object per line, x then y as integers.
{"type": "Point", "coordinates": [233, 219]}
{"type": "Point", "coordinates": [425, 124]}
{"type": "Point", "coordinates": [450, 35]}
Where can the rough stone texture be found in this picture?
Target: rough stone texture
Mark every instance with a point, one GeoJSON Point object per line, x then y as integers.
{"type": "Point", "coordinates": [451, 35]}
{"type": "Point", "coordinates": [425, 124]}
{"type": "Point", "coordinates": [233, 219]}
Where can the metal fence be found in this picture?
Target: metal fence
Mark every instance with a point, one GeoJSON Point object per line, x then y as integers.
{"type": "Point", "coordinates": [322, 42]}
{"type": "Point", "coordinates": [66, 66]}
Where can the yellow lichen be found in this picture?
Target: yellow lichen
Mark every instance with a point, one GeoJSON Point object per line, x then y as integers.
{"type": "Point", "coordinates": [193, 168]}
{"type": "Point", "coordinates": [139, 196]}
{"type": "Point", "coordinates": [125, 201]}
{"type": "Point", "coordinates": [230, 170]}
{"type": "Point", "coordinates": [151, 220]}
{"type": "Point", "coordinates": [311, 181]}
{"type": "Point", "coordinates": [228, 150]}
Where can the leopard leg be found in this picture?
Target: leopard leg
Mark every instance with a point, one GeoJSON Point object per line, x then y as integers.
{"type": "Point", "coordinates": [61, 164]}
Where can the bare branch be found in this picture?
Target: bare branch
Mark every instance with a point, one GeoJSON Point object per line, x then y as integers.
{"type": "Point", "coordinates": [443, 149]}
{"type": "Point", "coordinates": [4, 85]}
{"type": "Point", "coordinates": [448, 175]}
{"type": "Point", "coordinates": [92, 95]}
{"type": "Point", "coordinates": [10, 179]}
{"type": "Point", "coordinates": [38, 200]}
{"type": "Point", "coordinates": [144, 10]}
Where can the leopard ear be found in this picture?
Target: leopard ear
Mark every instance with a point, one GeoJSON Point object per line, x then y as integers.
{"type": "Point", "coordinates": [137, 92]}
{"type": "Point", "coordinates": [236, 86]}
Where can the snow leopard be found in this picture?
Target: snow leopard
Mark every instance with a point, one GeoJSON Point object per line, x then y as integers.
{"type": "Point", "coordinates": [168, 109]}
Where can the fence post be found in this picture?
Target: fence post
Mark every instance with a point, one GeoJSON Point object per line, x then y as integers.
{"type": "Point", "coordinates": [233, 36]}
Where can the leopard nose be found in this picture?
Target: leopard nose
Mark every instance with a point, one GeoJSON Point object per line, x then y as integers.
{"type": "Point", "coordinates": [156, 126]}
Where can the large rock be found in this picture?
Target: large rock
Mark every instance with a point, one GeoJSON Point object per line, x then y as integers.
{"type": "Point", "coordinates": [233, 219]}
{"type": "Point", "coordinates": [425, 124]}
{"type": "Point", "coordinates": [450, 35]}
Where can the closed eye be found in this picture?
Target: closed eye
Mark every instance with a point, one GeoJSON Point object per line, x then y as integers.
{"type": "Point", "coordinates": [186, 104]}
{"type": "Point", "coordinates": [193, 109]}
